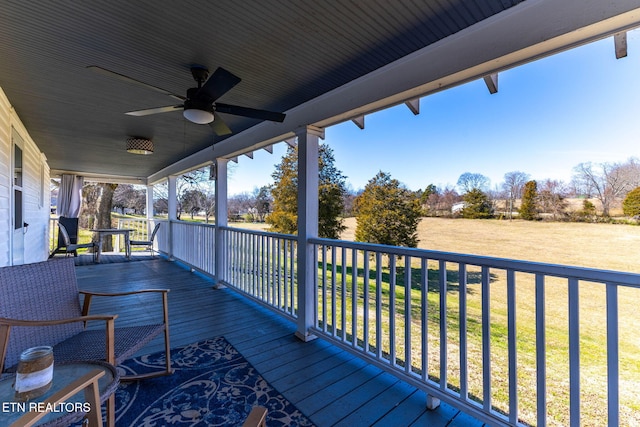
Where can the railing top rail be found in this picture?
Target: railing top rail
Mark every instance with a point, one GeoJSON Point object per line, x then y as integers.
{"type": "Point", "coordinates": [190, 223]}
{"type": "Point", "coordinates": [566, 271]}
{"type": "Point", "coordinates": [260, 233]}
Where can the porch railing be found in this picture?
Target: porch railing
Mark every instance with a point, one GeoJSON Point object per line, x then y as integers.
{"type": "Point", "coordinates": [500, 339]}
{"type": "Point", "coordinates": [258, 264]}
{"type": "Point", "coordinates": [509, 342]}
{"type": "Point", "coordinates": [263, 266]}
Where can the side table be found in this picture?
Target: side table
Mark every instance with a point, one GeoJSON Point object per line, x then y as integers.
{"type": "Point", "coordinates": [63, 403]}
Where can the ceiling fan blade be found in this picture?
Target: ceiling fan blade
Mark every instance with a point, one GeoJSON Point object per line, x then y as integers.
{"type": "Point", "coordinates": [150, 111]}
{"type": "Point", "coordinates": [134, 81]}
{"type": "Point", "coordinates": [219, 126]}
{"type": "Point", "coordinates": [220, 82]}
{"type": "Point", "coordinates": [249, 112]}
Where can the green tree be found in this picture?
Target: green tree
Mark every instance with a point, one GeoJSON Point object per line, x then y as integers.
{"type": "Point", "coordinates": [331, 191]}
{"type": "Point", "coordinates": [528, 208]}
{"type": "Point", "coordinates": [476, 205]}
{"type": "Point", "coordinates": [387, 213]}
{"type": "Point", "coordinates": [263, 202]}
{"type": "Point", "coordinates": [428, 191]}
{"type": "Point", "coordinates": [631, 203]}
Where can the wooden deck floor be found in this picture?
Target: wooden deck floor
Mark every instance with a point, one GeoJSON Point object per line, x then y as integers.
{"type": "Point", "coordinates": [330, 386]}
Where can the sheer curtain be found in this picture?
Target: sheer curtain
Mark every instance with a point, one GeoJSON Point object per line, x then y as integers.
{"type": "Point", "coordinates": [70, 196]}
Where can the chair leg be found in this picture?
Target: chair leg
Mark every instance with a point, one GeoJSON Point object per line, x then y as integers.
{"type": "Point", "coordinates": [111, 411]}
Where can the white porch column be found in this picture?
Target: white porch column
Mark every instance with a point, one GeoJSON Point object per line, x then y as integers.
{"type": "Point", "coordinates": [149, 206]}
{"type": "Point", "coordinates": [172, 203]}
{"type": "Point", "coordinates": [220, 176]}
{"type": "Point", "coordinates": [308, 175]}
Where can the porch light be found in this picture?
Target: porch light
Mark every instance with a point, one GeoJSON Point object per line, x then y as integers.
{"type": "Point", "coordinates": [139, 146]}
{"type": "Point", "coordinates": [201, 117]}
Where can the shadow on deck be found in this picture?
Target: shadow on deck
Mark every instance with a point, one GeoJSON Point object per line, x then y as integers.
{"type": "Point", "coordinates": [330, 386]}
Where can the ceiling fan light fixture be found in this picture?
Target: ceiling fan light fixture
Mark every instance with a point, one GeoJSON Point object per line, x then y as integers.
{"type": "Point", "coordinates": [195, 115]}
{"type": "Point", "coordinates": [139, 146]}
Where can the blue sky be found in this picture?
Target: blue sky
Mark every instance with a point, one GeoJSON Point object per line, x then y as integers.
{"type": "Point", "coordinates": [547, 117]}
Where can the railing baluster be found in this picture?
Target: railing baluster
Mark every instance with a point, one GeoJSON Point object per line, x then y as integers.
{"type": "Point", "coordinates": [512, 346]}
{"type": "Point", "coordinates": [324, 287]}
{"type": "Point", "coordinates": [613, 373]}
{"type": "Point", "coordinates": [378, 305]}
{"type": "Point", "coordinates": [442, 279]}
{"type": "Point", "coordinates": [277, 272]}
{"type": "Point", "coordinates": [574, 353]}
{"type": "Point", "coordinates": [408, 362]}
{"type": "Point", "coordinates": [365, 301]}
{"type": "Point", "coordinates": [292, 276]}
{"type": "Point", "coordinates": [354, 296]}
{"type": "Point", "coordinates": [541, 351]}
{"type": "Point", "coordinates": [462, 313]}
{"type": "Point", "coordinates": [285, 271]}
{"type": "Point", "coordinates": [343, 265]}
{"type": "Point", "coordinates": [334, 284]}
{"type": "Point", "coordinates": [486, 340]}
{"type": "Point", "coordinates": [424, 318]}
{"type": "Point", "coordinates": [392, 310]}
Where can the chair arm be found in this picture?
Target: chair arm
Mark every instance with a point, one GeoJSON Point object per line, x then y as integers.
{"type": "Point", "coordinates": [117, 294]}
{"type": "Point", "coordinates": [256, 418]}
{"type": "Point", "coordinates": [86, 305]}
{"type": "Point", "coordinates": [20, 322]}
{"type": "Point", "coordinates": [6, 324]}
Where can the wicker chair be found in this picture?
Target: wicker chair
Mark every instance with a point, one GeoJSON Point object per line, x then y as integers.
{"type": "Point", "coordinates": [40, 305]}
{"type": "Point", "coordinates": [45, 295]}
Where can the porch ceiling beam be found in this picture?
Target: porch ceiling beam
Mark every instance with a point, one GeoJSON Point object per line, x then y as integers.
{"type": "Point", "coordinates": [291, 142]}
{"type": "Point", "coordinates": [544, 27]}
{"type": "Point", "coordinates": [620, 41]}
{"type": "Point", "coordinates": [413, 105]}
{"type": "Point", "coordinates": [105, 178]}
{"type": "Point", "coordinates": [269, 149]}
{"type": "Point", "coordinates": [359, 121]}
{"type": "Point", "coordinates": [492, 83]}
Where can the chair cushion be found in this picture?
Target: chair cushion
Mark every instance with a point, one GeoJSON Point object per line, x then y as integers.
{"type": "Point", "coordinates": [39, 291]}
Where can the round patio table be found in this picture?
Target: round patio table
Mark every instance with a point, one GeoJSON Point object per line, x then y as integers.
{"type": "Point", "coordinates": [59, 413]}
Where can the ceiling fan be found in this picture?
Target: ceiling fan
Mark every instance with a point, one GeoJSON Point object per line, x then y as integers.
{"type": "Point", "coordinates": [200, 106]}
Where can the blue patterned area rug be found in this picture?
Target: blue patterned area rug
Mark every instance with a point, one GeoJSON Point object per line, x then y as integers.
{"type": "Point", "coordinates": [213, 385]}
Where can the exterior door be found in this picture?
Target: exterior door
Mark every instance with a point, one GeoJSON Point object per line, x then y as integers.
{"type": "Point", "coordinates": [17, 201]}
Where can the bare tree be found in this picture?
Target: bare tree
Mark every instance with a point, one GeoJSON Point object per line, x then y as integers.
{"type": "Point", "coordinates": [473, 181]}
{"type": "Point", "coordinates": [551, 198]}
{"type": "Point", "coordinates": [512, 187]}
{"type": "Point", "coordinates": [607, 182]}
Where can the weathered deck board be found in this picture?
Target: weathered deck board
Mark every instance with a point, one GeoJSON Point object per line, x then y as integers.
{"type": "Point", "coordinates": [331, 386]}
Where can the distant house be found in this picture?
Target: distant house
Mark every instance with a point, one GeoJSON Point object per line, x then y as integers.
{"type": "Point", "coordinates": [457, 207]}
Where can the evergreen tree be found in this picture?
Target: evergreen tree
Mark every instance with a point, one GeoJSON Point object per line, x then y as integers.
{"type": "Point", "coordinates": [631, 203]}
{"type": "Point", "coordinates": [476, 205]}
{"type": "Point", "coordinates": [387, 213]}
{"type": "Point", "coordinates": [331, 191]}
{"type": "Point", "coordinates": [528, 208]}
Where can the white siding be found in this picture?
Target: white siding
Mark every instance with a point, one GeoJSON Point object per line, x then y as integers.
{"type": "Point", "coordinates": [5, 182]}
{"type": "Point", "coordinates": [35, 190]}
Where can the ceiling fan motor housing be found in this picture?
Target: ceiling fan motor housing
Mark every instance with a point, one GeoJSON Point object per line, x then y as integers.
{"type": "Point", "coordinates": [193, 102]}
